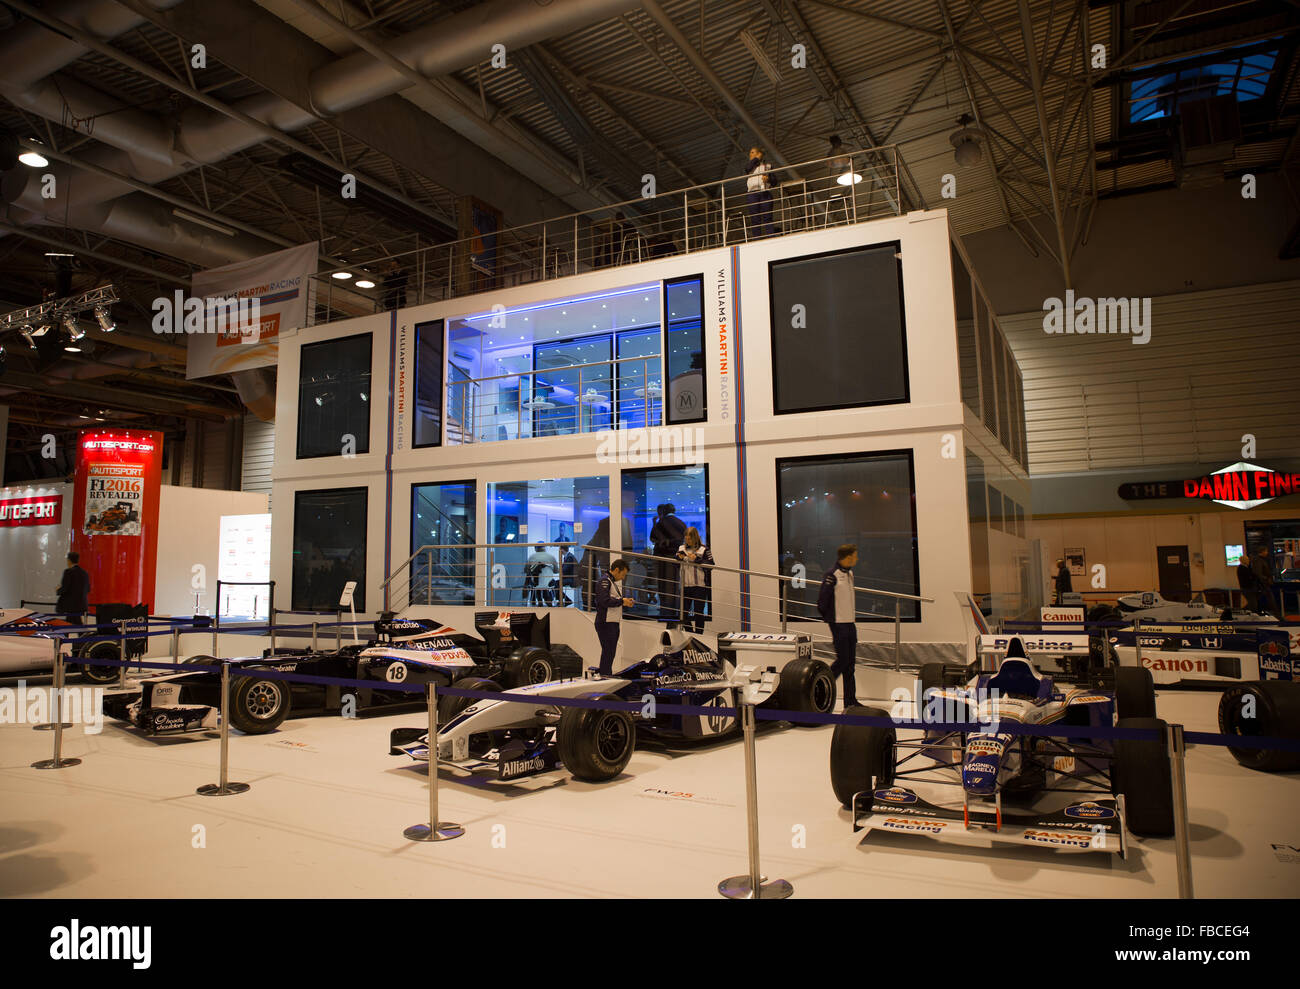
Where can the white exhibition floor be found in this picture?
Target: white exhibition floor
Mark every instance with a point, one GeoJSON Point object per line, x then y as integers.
{"type": "Point", "coordinates": [325, 814]}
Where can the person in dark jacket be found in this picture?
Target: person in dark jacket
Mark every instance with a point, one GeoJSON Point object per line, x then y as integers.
{"type": "Point", "coordinates": [1063, 584]}
{"type": "Point", "coordinates": [837, 605]}
{"type": "Point", "coordinates": [1246, 581]}
{"type": "Point", "coordinates": [569, 574]}
{"type": "Point", "coordinates": [74, 591]}
{"type": "Point", "coordinates": [610, 602]}
{"type": "Point", "coordinates": [697, 579]}
{"type": "Point", "coordinates": [1263, 571]}
{"type": "Point", "coordinates": [665, 537]}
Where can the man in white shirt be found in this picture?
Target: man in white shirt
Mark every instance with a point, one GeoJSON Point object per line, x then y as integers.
{"type": "Point", "coordinates": [837, 604]}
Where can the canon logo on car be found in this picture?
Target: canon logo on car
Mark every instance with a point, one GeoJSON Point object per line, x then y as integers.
{"type": "Point", "coordinates": [1174, 664]}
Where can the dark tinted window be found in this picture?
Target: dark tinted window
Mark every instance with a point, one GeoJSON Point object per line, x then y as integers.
{"type": "Point", "coordinates": [428, 384]}
{"type": "Point", "coordinates": [838, 339]}
{"type": "Point", "coordinates": [329, 547]}
{"type": "Point", "coordinates": [682, 310]}
{"type": "Point", "coordinates": [334, 397]}
{"type": "Point", "coordinates": [865, 499]}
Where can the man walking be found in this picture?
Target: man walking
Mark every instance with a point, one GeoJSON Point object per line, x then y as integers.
{"type": "Point", "coordinates": [610, 603]}
{"type": "Point", "coordinates": [1263, 571]}
{"type": "Point", "coordinates": [1246, 581]}
{"type": "Point", "coordinates": [1064, 585]}
{"type": "Point", "coordinates": [74, 591]}
{"type": "Point", "coordinates": [838, 605]}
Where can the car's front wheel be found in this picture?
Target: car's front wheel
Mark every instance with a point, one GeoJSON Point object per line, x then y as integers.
{"type": "Point", "coordinates": [258, 706]}
{"type": "Point", "coordinates": [101, 674]}
{"type": "Point", "coordinates": [595, 745]}
{"type": "Point", "coordinates": [862, 756]}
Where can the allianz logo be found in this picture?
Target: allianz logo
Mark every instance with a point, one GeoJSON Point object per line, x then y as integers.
{"type": "Point", "coordinates": [515, 767]}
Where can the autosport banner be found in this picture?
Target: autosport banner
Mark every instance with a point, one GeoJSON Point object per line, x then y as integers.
{"type": "Point", "coordinates": [115, 513]}
{"type": "Point", "coordinates": [33, 510]}
{"type": "Point", "coordinates": [232, 334]}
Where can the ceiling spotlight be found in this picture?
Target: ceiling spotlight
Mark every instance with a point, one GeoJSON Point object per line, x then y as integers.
{"type": "Point", "coordinates": [342, 276]}
{"type": "Point", "coordinates": [26, 332]}
{"type": "Point", "coordinates": [33, 160]}
{"type": "Point", "coordinates": [73, 327]}
{"type": "Point", "coordinates": [104, 320]}
{"type": "Point", "coordinates": [40, 329]}
{"type": "Point", "coordinates": [72, 348]}
{"type": "Point", "coordinates": [365, 283]}
{"type": "Point", "coordinates": [967, 149]}
{"type": "Point", "coordinates": [849, 177]}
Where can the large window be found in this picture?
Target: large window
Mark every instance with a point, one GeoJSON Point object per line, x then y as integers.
{"type": "Point", "coordinates": [865, 499]}
{"type": "Point", "coordinates": [329, 547]}
{"type": "Point", "coordinates": [838, 337]}
{"type": "Point", "coordinates": [526, 515]}
{"type": "Point", "coordinates": [656, 502]}
{"type": "Point", "coordinates": [334, 397]}
{"type": "Point", "coordinates": [428, 384]}
{"type": "Point", "coordinates": [442, 516]}
{"type": "Point", "coordinates": [686, 393]}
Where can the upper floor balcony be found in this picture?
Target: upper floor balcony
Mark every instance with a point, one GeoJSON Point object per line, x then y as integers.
{"type": "Point", "coordinates": [847, 188]}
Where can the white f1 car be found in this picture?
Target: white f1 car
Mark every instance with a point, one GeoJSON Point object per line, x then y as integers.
{"type": "Point", "coordinates": [26, 644]}
{"type": "Point", "coordinates": [520, 738]}
{"type": "Point", "coordinates": [1110, 787]}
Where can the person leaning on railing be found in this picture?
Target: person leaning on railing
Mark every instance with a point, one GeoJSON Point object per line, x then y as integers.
{"type": "Point", "coordinates": [838, 607]}
{"type": "Point", "coordinates": [697, 580]}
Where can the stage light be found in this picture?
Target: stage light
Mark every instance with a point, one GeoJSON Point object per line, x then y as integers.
{"type": "Point", "coordinates": [73, 327]}
{"type": "Point", "coordinates": [104, 320]}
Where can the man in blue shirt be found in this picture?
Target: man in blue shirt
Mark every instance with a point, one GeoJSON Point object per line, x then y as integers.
{"type": "Point", "coordinates": [610, 602]}
{"type": "Point", "coordinates": [838, 607]}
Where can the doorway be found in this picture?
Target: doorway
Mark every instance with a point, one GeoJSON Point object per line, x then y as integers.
{"type": "Point", "coordinates": [1174, 568]}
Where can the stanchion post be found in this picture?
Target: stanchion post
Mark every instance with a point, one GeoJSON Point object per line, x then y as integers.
{"type": "Point", "coordinates": [314, 623]}
{"type": "Point", "coordinates": [1177, 753]}
{"type": "Point", "coordinates": [338, 628]}
{"type": "Point", "coordinates": [224, 788]}
{"type": "Point", "coordinates": [176, 645]}
{"type": "Point", "coordinates": [58, 652]}
{"type": "Point", "coordinates": [121, 654]}
{"type": "Point", "coordinates": [898, 633]}
{"type": "Point", "coordinates": [435, 830]}
{"type": "Point", "coordinates": [751, 886]}
{"type": "Point", "coordinates": [58, 762]}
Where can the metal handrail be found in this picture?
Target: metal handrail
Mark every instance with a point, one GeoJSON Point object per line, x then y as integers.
{"type": "Point", "coordinates": [554, 370]}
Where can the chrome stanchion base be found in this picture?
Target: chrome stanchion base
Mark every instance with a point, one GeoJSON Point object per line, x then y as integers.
{"type": "Point", "coordinates": [50, 726]}
{"type": "Point", "coordinates": [445, 831]}
{"type": "Point", "coordinates": [217, 790]}
{"type": "Point", "coordinates": [738, 888]}
{"type": "Point", "coordinates": [56, 763]}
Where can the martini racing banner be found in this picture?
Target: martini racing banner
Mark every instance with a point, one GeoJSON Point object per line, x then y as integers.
{"type": "Point", "coordinates": [237, 312]}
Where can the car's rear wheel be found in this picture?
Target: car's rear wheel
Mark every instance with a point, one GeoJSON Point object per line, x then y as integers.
{"type": "Point", "coordinates": [806, 686]}
{"type": "Point", "coordinates": [101, 674]}
{"type": "Point", "coordinates": [1135, 693]}
{"type": "Point", "coordinates": [862, 756]}
{"type": "Point", "coordinates": [595, 745]}
{"type": "Point", "coordinates": [529, 665]}
{"type": "Point", "coordinates": [258, 706]}
{"type": "Point", "coordinates": [1269, 708]}
{"type": "Point", "coordinates": [449, 706]}
{"type": "Point", "coordinates": [1140, 771]}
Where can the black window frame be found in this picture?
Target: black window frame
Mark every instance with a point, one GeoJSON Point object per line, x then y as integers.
{"type": "Point", "coordinates": [364, 490]}
{"type": "Point", "coordinates": [902, 320]}
{"type": "Point", "coordinates": [708, 492]}
{"type": "Point", "coordinates": [299, 455]}
{"type": "Point", "coordinates": [665, 349]}
{"type": "Point", "coordinates": [908, 452]}
{"type": "Point", "coordinates": [443, 373]}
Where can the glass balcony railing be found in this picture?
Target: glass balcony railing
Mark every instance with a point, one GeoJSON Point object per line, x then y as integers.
{"type": "Point", "coordinates": [559, 401]}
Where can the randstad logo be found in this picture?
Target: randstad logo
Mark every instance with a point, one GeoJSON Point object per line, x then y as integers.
{"type": "Point", "coordinates": [1084, 315]}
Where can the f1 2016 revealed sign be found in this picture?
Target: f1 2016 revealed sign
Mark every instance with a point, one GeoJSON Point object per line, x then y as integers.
{"type": "Point", "coordinates": [36, 510]}
{"type": "Point", "coordinates": [1240, 485]}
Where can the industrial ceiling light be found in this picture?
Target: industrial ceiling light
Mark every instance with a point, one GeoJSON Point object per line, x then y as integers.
{"type": "Point", "coordinates": [181, 214]}
{"type": "Point", "coordinates": [967, 149]}
{"type": "Point", "coordinates": [342, 276]}
{"type": "Point", "coordinates": [104, 320]}
{"type": "Point", "coordinates": [33, 160]}
{"type": "Point", "coordinates": [365, 283]}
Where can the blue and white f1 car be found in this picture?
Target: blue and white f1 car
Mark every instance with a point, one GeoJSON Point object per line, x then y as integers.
{"type": "Point", "coordinates": [1109, 786]}
{"type": "Point", "coordinates": [522, 738]}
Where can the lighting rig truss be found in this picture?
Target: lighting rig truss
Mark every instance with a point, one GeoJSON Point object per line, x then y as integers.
{"type": "Point", "coordinates": [36, 321]}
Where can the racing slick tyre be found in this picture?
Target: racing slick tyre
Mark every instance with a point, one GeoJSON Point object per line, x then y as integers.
{"type": "Point", "coordinates": [449, 706]}
{"type": "Point", "coordinates": [1104, 614]}
{"type": "Point", "coordinates": [1135, 693]}
{"type": "Point", "coordinates": [807, 686]}
{"type": "Point", "coordinates": [101, 674]}
{"type": "Point", "coordinates": [595, 745]}
{"type": "Point", "coordinates": [258, 706]}
{"type": "Point", "coordinates": [1140, 770]}
{"type": "Point", "coordinates": [862, 756]}
{"type": "Point", "coordinates": [527, 665]}
{"type": "Point", "coordinates": [1276, 712]}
